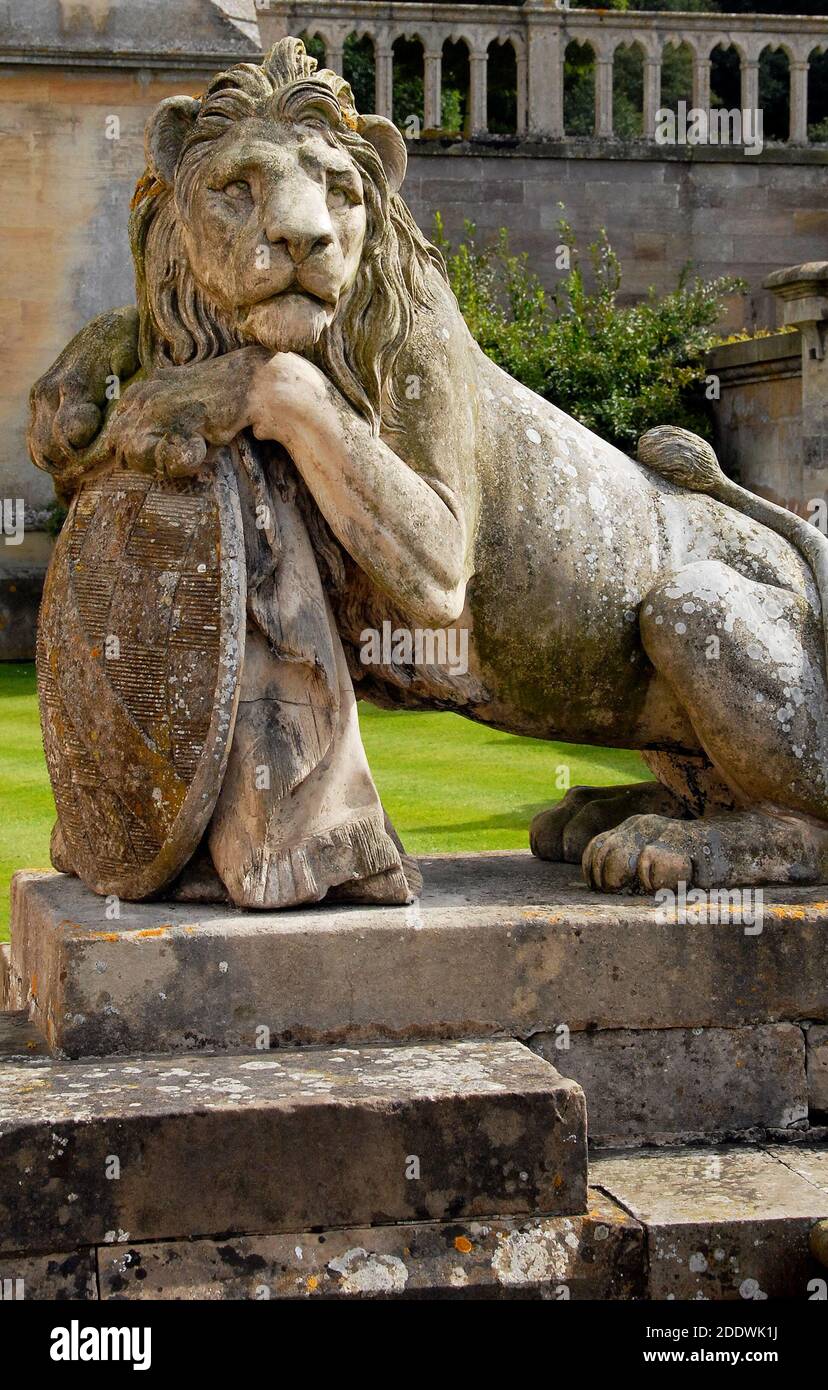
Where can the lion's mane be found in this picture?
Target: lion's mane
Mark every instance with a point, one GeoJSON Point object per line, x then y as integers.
{"type": "Point", "coordinates": [179, 321]}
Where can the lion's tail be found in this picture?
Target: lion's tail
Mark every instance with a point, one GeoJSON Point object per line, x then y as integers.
{"type": "Point", "coordinates": [690, 462]}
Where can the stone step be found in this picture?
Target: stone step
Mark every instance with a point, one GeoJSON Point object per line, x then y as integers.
{"type": "Point", "coordinates": [715, 1223]}
{"type": "Point", "coordinates": [152, 1148]}
{"type": "Point", "coordinates": [598, 1255]}
{"type": "Point", "coordinates": [499, 944]}
{"type": "Point", "coordinates": [727, 1223]}
{"type": "Point", "coordinates": [671, 1085]}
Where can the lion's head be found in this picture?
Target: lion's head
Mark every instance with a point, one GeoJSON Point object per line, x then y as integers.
{"type": "Point", "coordinates": [269, 214]}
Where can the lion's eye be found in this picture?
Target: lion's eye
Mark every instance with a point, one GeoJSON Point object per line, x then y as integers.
{"type": "Point", "coordinates": [237, 188]}
{"type": "Point", "coordinates": [337, 198]}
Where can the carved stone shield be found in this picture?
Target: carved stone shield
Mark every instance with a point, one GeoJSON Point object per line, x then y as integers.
{"type": "Point", "coordinates": [140, 647]}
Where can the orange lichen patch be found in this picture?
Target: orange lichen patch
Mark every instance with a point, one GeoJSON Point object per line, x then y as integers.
{"type": "Point", "coordinates": [463, 1244]}
{"type": "Point", "coordinates": [104, 936]}
{"type": "Point", "coordinates": [788, 912]}
{"type": "Point", "coordinates": [34, 986]}
{"type": "Point", "coordinates": [152, 931]}
{"type": "Point", "coordinates": [558, 1181]}
{"type": "Point", "coordinates": [312, 1283]}
{"type": "Point", "coordinates": [539, 912]}
{"type": "Point", "coordinates": [148, 186]}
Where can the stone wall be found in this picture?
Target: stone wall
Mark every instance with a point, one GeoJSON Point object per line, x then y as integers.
{"type": "Point", "coordinates": [741, 217]}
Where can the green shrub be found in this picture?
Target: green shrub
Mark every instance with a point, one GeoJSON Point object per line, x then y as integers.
{"type": "Point", "coordinates": [619, 369]}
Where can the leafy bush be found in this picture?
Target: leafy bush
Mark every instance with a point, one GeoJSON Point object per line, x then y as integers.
{"type": "Point", "coordinates": [619, 369]}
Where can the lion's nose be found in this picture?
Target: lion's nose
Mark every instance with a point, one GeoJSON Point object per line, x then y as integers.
{"type": "Point", "coordinates": [301, 245]}
{"type": "Point", "coordinates": [299, 238]}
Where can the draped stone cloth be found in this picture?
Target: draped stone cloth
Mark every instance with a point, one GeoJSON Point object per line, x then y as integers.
{"type": "Point", "coordinates": [298, 813]}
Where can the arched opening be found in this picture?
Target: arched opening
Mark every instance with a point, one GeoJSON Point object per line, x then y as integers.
{"type": "Point", "coordinates": [579, 89]}
{"type": "Point", "coordinates": [818, 97]}
{"type": "Point", "coordinates": [314, 46]}
{"type": "Point", "coordinates": [409, 78]}
{"type": "Point", "coordinates": [775, 93]}
{"type": "Point", "coordinates": [676, 76]}
{"type": "Point", "coordinates": [358, 68]}
{"type": "Point", "coordinates": [628, 91]}
{"type": "Point", "coordinates": [725, 78]}
{"type": "Point", "coordinates": [456, 78]}
{"type": "Point", "coordinates": [501, 88]}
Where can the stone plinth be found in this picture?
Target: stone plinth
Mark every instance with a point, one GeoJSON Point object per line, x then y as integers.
{"type": "Point", "coordinates": [499, 944]}
{"type": "Point", "coordinates": [148, 1148]}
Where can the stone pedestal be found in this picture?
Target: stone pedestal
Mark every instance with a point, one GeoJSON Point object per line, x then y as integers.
{"type": "Point", "coordinates": [173, 1140]}
{"type": "Point", "coordinates": [674, 1029]}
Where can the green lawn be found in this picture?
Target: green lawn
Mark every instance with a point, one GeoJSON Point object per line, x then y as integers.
{"type": "Point", "coordinates": [447, 784]}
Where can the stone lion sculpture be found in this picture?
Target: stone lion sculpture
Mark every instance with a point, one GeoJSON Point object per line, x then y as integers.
{"type": "Point", "coordinates": [285, 295]}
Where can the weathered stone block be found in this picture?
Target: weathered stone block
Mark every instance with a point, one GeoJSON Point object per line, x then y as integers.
{"type": "Point", "coordinates": [595, 1256]}
{"type": "Point", "coordinates": [662, 1085]}
{"type": "Point", "coordinates": [146, 1149]}
{"type": "Point", "coordinates": [724, 1223]}
{"type": "Point", "coordinates": [499, 944]}
{"type": "Point", "coordinates": [817, 1055]}
{"type": "Point", "coordinates": [55, 1277]}
{"type": "Point", "coordinates": [19, 1037]}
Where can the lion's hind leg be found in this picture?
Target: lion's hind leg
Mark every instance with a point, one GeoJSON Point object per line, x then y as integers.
{"type": "Point", "coordinates": [746, 662]}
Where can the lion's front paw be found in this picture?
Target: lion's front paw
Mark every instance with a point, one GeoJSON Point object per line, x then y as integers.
{"type": "Point", "coordinates": [158, 430]}
{"type": "Point", "coordinates": [564, 831]}
{"type": "Point", "coordinates": [641, 855]}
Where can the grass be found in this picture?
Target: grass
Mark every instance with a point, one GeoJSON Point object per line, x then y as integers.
{"type": "Point", "coordinates": [447, 784]}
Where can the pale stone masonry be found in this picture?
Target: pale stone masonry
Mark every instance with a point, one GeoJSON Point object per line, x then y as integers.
{"type": "Point", "coordinates": [539, 32]}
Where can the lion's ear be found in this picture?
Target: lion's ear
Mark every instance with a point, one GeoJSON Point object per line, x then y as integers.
{"type": "Point", "coordinates": [167, 129]}
{"type": "Point", "coordinates": [389, 145]}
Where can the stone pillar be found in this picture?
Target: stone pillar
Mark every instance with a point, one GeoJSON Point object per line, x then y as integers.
{"type": "Point", "coordinates": [750, 84]}
{"type": "Point", "coordinates": [803, 291]}
{"type": "Point", "coordinates": [384, 80]}
{"type": "Point", "coordinates": [521, 94]}
{"type": "Point", "coordinates": [652, 95]}
{"type": "Point", "coordinates": [544, 75]}
{"type": "Point", "coordinates": [798, 132]}
{"type": "Point", "coordinates": [433, 84]}
{"type": "Point", "coordinates": [603, 96]}
{"type": "Point", "coordinates": [701, 82]}
{"type": "Point", "coordinates": [333, 57]}
{"type": "Point", "coordinates": [478, 113]}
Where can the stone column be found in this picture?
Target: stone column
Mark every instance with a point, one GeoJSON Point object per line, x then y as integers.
{"type": "Point", "coordinates": [603, 96]}
{"type": "Point", "coordinates": [384, 80]}
{"type": "Point", "coordinates": [478, 112]}
{"type": "Point", "coordinates": [544, 74]}
{"type": "Point", "coordinates": [798, 133]}
{"type": "Point", "coordinates": [750, 84]}
{"type": "Point", "coordinates": [652, 95]}
{"type": "Point", "coordinates": [701, 82]}
{"type": "Point", "coordinates": [521, 94]}
{"type": "Point", "coordinates": [803, 291]}
{"type": "Point", "coordinates": [433, 84]}
{"type": "Point", "coordinates": [333, 57]}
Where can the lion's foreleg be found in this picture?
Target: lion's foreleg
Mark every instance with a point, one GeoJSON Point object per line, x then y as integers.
{"type": "Point", "coordinates": [407, 537]}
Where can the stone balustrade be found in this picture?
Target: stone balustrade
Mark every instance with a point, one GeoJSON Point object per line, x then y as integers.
{"type": "Point", "coordinates": [539, 32]}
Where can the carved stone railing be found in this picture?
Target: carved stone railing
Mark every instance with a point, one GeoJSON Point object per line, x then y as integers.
{"type": "Point", "coordinates": [539, 31]}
